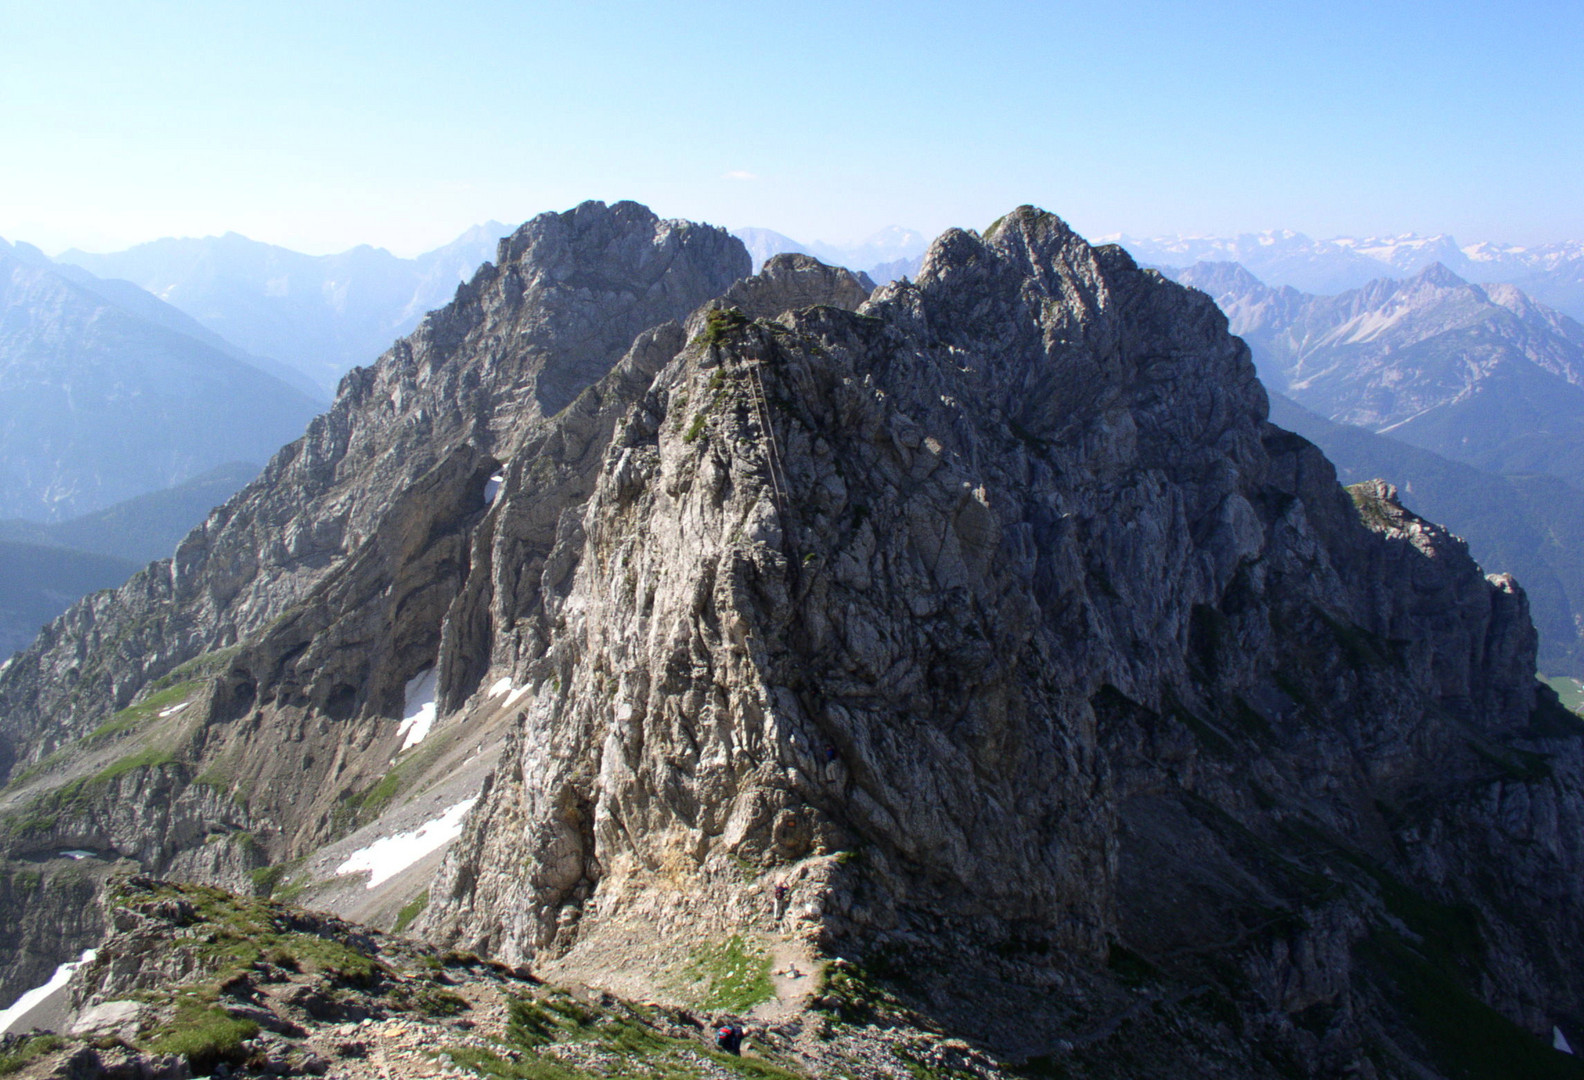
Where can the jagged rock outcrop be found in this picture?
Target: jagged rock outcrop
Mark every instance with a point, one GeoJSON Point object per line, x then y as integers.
{"type": "Point", "coordinates": [1004, 586]}
{"type": "Point", "coordinates": [793, 282]}
{"type": "Point", "coordinates": [987, 614]}
{"type": "Point", "coordinates": [567, 296]}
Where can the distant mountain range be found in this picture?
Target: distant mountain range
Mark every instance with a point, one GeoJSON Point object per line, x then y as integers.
{"type": "Point", "coordinates": [151, 309]}
{"type": "Point", "coordinates": [38, 582]}
{"type": "Point", "coordinates": [106, 393]}
{"type": "Point", "coordinates": [45, 568]}
{"type": "Point", "coordinates": [144, 527]}
{"type": "Point", "coordinates": [123, 416]}
{"type": "Point", "coordinates": [1553, 274]}
{"type": "Point", "coordinates": [891, 253]}
{"type": "Point", "coordinates": [319, 314]}
{"type": "Point", "coordinates": [1478, 374]}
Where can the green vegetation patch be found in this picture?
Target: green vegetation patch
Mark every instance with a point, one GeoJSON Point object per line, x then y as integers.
{"type": "Point", "coordinates": [557, 1037]}
{"type": "Point", "coordinates": [150, 758]}
{"type": "Point", "coordinates": [733, 975]}
{"type": "Point", "coordinates": [1559, 709]}
{"type": "Point", "coordinates": [199, 667]}
{"type": "Point", "coordinates": [358, 807]}
{"type": "Point", "coordinates": [854, 995]}
{"type": "Point", "coordinates": [526, 1067]}
{"type": "Point", "coordinates": [267, 878]}
{"type": "Point", "coordinates": [1569, 691]}
{"type": "Point", "coordinates": [27, 1050]}
{"type": "Point", "coordinates": [1372, 510]}
{"type": "Point", "coordinates": [134, 716]}
{"type": "Point", "coordinates": [411, 910]}
{"type": "Point", "coordinates": [203, 1033]}
{"type": "Point", "coordinates": [241, 931]}
{"type": "Point", "coordinates": [41, 814]}
{"type": "Point", "coordinates": [720, 324]}
{"type": "Point", "coordinates": [920, 1069]}
{"type": "Point", "coordinates": [541, 1021]}
{"type": "Point", "coordinates": [38, 768]}
{"type": "Point", "coordinates": [427, 999]}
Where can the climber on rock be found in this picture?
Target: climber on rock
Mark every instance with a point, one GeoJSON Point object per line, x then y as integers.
{"type": "Point", "coordinates": [728, 1037]}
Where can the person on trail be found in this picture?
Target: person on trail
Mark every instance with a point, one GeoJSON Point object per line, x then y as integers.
{"type": "Point", "coordinates": [728, 1037]}
{"type": "Point", "coordinates": [780, 899]}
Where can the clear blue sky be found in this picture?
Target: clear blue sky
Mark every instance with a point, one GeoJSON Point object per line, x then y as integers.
{"type": "Point", "coordinates": [321, 126]}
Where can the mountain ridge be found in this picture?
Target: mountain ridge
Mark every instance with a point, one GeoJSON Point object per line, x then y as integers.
{"type": "Point", "coordinates": [1553, 273]}
{"type": "Point", "coordinates": [985, 614]}
{"type": "Point", "coordinates": [1521, 525]}
{"type": "Point", "coordinates": [1415, 357]}
{"type": "Point", "coordinates": [102, 404]}
{"type": "Point", "coordinates": [321, 315]}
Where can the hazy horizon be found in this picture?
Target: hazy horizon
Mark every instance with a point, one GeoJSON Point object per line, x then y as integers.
{"type": "Point", "coordinates": [400, 126]}
{"type": "Point", "coordinates": [812, 241]}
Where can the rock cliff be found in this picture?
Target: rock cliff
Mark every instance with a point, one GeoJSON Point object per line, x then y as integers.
{"type": "Point", "coordinates": [567, 296]}
{"type": "Point", "coordinates": [980, 630]}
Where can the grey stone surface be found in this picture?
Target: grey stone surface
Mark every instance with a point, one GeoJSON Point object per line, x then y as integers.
{"type": "Point", "coordinates": [992, 618]}
{"type": "Point", "coordinates": [568, 296]}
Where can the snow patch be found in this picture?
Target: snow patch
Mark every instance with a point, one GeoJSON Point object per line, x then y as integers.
{"type": "Point", "coordinates": [78, 854]}
{"type": "Point", "coordinates": [386, 858]}
{"type": "Point", "coordinates": [515, 696]}
{"type": "Point", "coordinates": [1559, 1040]}
{"type": "Point", "coordinates": [500, 688]}
{"type": "Point", "coordinates": [30, 1000]}
{"type": "Point", "coordinates": [492, 487]}
{"type": "Point", "coordinates": [419, 714]}
{"type": "Point", "coordinates": [173, 710]}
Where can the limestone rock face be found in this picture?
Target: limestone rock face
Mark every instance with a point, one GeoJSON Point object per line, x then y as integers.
{"type": "Point", "coordinates": [986, 613]}
{"type": "Point", "coordinates": [997, 619]}
{"type": "Point", "coordinates": [793, 282]}
{"type": "Point", "coordinates": [566, 298]}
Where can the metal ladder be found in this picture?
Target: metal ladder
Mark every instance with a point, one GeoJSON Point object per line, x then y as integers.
{"type": "Point", "coordinates": [778, 487]}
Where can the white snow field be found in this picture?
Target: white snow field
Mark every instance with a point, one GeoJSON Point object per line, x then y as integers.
{"type": "Point", "coordinates": [30, 1000]}
{"type": "Point", "coordinates": [386, 858]}
{"type": "Point", "coordinates": [419, 715]}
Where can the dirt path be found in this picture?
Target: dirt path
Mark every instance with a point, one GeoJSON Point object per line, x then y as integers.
{"type": "Point", "coordinates": [788, 955]}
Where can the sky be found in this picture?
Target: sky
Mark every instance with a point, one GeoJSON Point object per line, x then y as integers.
{"type": "Point", "coordinates": [323, 126]}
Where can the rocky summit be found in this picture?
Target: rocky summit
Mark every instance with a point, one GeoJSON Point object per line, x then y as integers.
{"type": "Point", "coordinates": [959, 678]}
